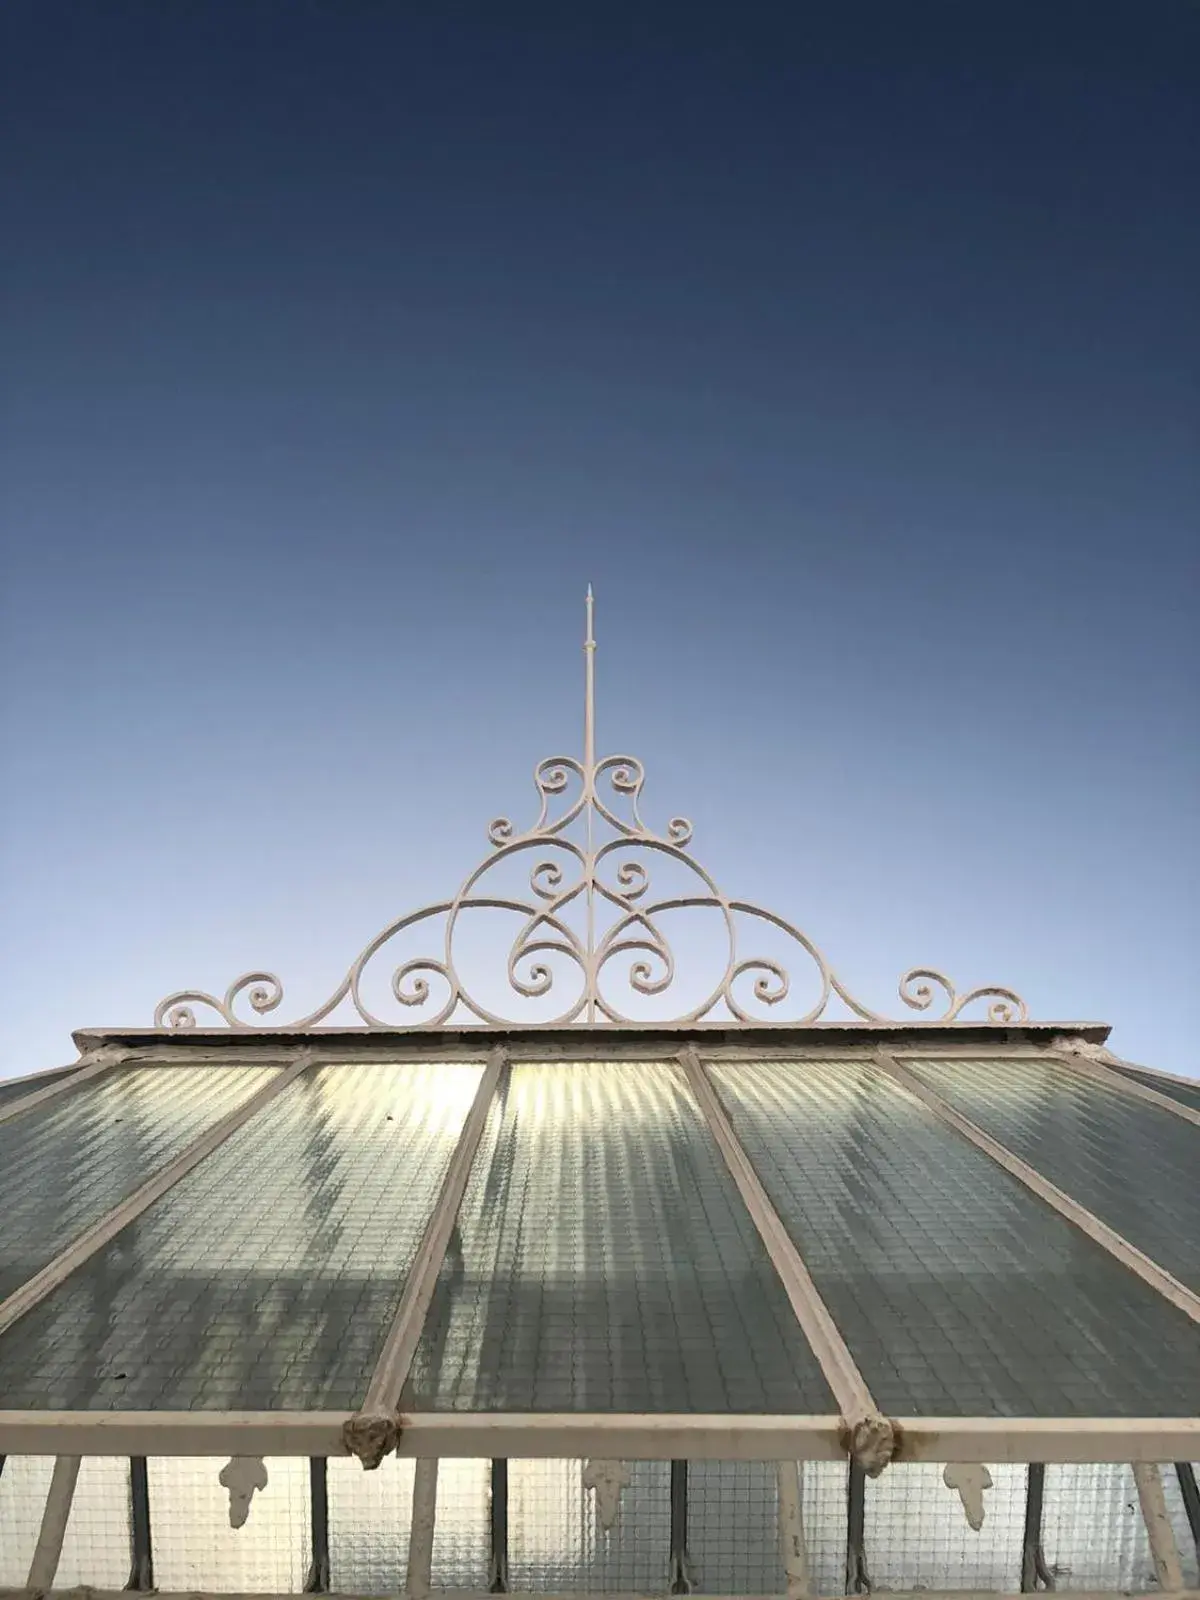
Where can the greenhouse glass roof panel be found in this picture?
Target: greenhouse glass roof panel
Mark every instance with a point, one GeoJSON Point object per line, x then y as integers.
{"type": "Point", "coordinates": [1133, 1165]}
{"type": "Point", "coordinates": [66, 1162]}
{"type": "Point", "coordinates": [606, 1263]}
{"type": "Point", "coordinates": [1187, 1094]}
{"type": "Point", "coordinates": [267, 1278]}
{"type": "Point", "coordinates": [957, 1292]}
{"type": "Point", "coordinates": [18, 1088]}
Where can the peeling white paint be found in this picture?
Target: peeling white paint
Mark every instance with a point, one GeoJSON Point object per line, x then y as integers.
{"type": "Point", "coordinates": [1164, 1551]}
{"type": "Point", "coordinates": [606, 1479]}
{"type": "Point", "coordinates": [422, 1528]}
{"type": "Point", "coordinates": [242, 1475]}
{"type": "Point", "coordinates": [1082, 1047]}
{"type": "Point", "coordinates": [791, 1530]}
{"type": "Point", "coordinates": [970, 1479]}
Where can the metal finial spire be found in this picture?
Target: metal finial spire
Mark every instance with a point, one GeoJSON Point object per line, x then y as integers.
{"type": "Point", "coordinates": [589, 701]}
{"type": "Point", "coordinates": [597, 877]}
{"type": "Point", "coordinates": [589, 770]}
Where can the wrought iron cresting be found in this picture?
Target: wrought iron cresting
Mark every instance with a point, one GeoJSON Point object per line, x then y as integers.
{"type": "Point", "coordinates": [621, 919]}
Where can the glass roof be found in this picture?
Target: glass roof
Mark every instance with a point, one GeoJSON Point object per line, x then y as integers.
{"type": "Point", "coordinates": [64, 1165]}
{"type": "Point", "coordinates": [1187, 1094]}
{"type": "Point", "coordinates": [600, 1254]}
{"type": "Point", "coordinates": [268, 1277]}
{"type": "Point", "coordinates": [1134, 1165]}
{"type": "Point", "coordinates": [958, 1292]}
{"type": "Point", "coordinates": [604, 1262]}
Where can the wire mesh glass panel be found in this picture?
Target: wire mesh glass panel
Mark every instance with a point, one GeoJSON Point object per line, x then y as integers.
{"type": "Point", "coordinates": [1187, 1094]}
{"type": "Point", "coordinates": [917, 1534]}
{"type": "Point", "coordinates": [1093, 1533]}
{"type": "Point", "coordinates": [97, 1144]}
{"type": "Point", "coordinates": [97, 1547]}
{"type": "Point", "coordinates": [274, 1294]}
{"type": "Point", "coordinates": [370, 1518]}
{"type": "Point", "coordinates": [824, 1490]}
{"type": "Point", "coordinates": [12, 1089]}
{"type": "Point", "coordinates": [1189, 1555]}
{"type": "Point", "coordinates": [462, 1539]}
{"type": "Point", "coordinates": [24, 1484]}
{"type": "Point", "coordinates": [958, 1292]}
{"type": "Point", "coordinates": [561, 1535]}
{"type": "Point", "coordinates": [604, 1261]}
{"type": "Point", "coordinates": [733, 1527]}
{"type": "Point", "coordinates": [195, 1546]}
{"type": "Point", "coordinates": [1135, 1166]}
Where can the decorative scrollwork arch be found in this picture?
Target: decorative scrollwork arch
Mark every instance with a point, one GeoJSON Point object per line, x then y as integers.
{"type": "Point", "coordinates": [566, 875]}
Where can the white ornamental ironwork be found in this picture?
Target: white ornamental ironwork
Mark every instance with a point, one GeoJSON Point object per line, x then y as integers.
{"type": "Point", "coordinates": [587, 875]}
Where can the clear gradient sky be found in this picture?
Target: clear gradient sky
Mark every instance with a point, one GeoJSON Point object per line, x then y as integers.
{"type": "Point", "coordinates": [851, 351]}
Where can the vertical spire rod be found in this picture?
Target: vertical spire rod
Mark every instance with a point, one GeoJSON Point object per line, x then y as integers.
{"type": "Point", "coordinates": [589, 698]}
{"type": "Point", "coordinates": [589, 779]}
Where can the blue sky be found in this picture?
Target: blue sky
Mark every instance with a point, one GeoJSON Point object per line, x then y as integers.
{"type": "Point", "coordinates": [850, 352]}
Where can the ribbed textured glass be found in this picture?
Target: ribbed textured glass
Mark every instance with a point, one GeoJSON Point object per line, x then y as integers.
{"type": "Point", "coordinates": [93, 1145]}
{"type": "Point", "coordinates": [824, 1496]}
{"type": "Point", "coordinates": [462, 1536]}
{"type": "Point", "coordinates": [558, 1540]}
{"type": "Point", "coordinates": [1135, 1166]}
{"type": "Point", "coordinates": [733, 1528]}
{"type": "Point", "coordinates": [1093, 1532]}
{"type": "Point", "coordinates": [958, 1292]}
{"type": "Point", "coordinates": [916, 1533]}
{"type": "Point", "coordinates": [604, 1262]}
{"type": "Point", "coordinates": [370, 1520]}
{"type": "Point", "coordinates": [197, 1549]}
{"type": "Point", "coordinates": [268, 1277]}
{"type": "Point", "coordinates": [12, 1089]}
{"type": "Point", "coordinates": [24, 1485]}
{"type": "Point", "coordinates": [1188, 1094]}
{"type": "Point", "coordinates": [96, 1548]}
{"type": "Point", "coordinates": [98, 1544]}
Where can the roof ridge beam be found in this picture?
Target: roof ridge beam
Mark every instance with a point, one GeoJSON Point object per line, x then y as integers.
{"type": "Point", "coordinates": [607, 1435]}
{"type": "Point", "coordinates": [1117, 1246]}
{"type": "Point", "coordinates": [870, 1436]}
{"type": "Point", "coordinates": [374, 1430]}
{"type": "Point", "coordinates": [34, 1290]}
{"type": "Point", "coordinates": [90, 1065]}
{"type": "Point", "coordinates": [1095, 1062]}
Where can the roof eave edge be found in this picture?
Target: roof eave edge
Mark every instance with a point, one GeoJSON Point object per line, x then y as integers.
{"type": "Point", "coordinates": [477, 1036]}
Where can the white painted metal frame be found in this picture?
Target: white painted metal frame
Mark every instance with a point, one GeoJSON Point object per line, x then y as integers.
{"type": "Point", "coordinates": [607, 1436]}
{"type": "Point", "coordinates": [374, 1431]}
{"type": "Point", "coordinates": [574, 1594]}
{"type": "Point", "coordinates": [870, 1437]}
{"type": "Point", "coordinates": [92, 1239]}
{"type": "Point", "coordinates": [602, 881]}
{"type": "Point", "coordinates": [604, 1435]}
{"type": "Point", "coordinates": [31, 1081]}
{"type": "Point", "coordinates": [1092, 1062]}
{"type": "Point", "coordinates": [826, 1040]}
{"type": "Point", "coordinates": [790, 1523]}
{"type": "Point", "coordinates": [55, 1516]}
{"type": "Point", "coordinates": [1130, 1257]}
{"type": "Point", "coordinates": [793, 1547]}
{"type": "Point", "coordinates": [1111, 1059]}
{"type": "Point", "coordinates": [1163, 1549]}
{"type": "Point", "coordinates": [90, 1066]}
{"type": "Point", "coordinates": [422, 1526]}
